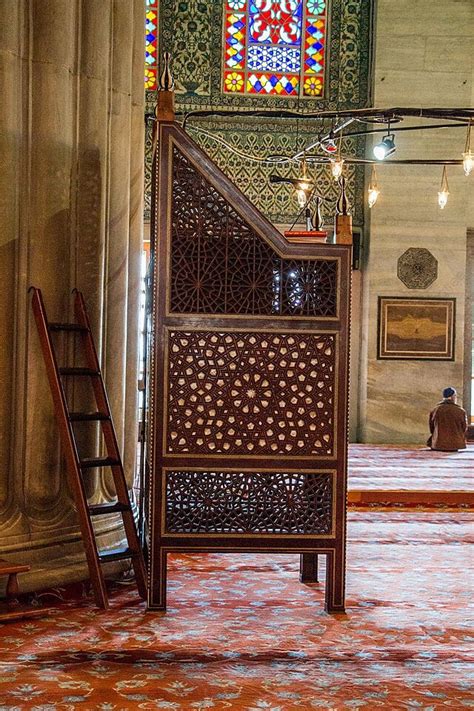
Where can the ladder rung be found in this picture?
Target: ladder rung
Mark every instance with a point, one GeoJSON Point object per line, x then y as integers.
{"type": "Point", "coordinates": [98, 462]}
{"type": "Point", "coordinates": [108, 508]}
{"type": "Point", "coordinates": [86, 416]}
{"type": "Point", "coordinates": [115, 554]}
{"type": "Point", "coordinates": [67, 327]}
{"type": "Point", "coordinates": [78, 371]}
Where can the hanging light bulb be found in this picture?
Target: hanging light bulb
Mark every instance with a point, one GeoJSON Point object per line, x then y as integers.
{"type": "Point", "coordinates": [337, 162]}
{"type": "Point", "coordinates": [468, 162]}
{"type": "Point", "coordinates": [468, 155]}
{"type": "Point", "coordinates": [302, 187]}
{"type": "Point", "coordinates": [301, 195]}
{"type": "Point", "coordinates": [444, 190]}
{"type": "Point", "coordinates": [336, 167]}
{"type": "Point", "coordinates": [373, 191]}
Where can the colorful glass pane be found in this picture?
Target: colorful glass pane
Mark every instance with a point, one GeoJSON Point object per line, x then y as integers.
{"type": "Point", "coordinates": [274, 47]}
{"type": "Point", "coordinates": [234, 82]}
{"type": "Point", "coordinates": [151, 44]}
{"type": "Point", "coordinates": [235, 40]}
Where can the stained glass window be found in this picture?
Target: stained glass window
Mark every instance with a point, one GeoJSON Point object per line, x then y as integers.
{"type": "Point", "coordinates": [151, 44]}
{"type": "Point", "coordinates": [275, 47]}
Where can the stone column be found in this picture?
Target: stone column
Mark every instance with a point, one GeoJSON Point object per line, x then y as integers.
{"type": "Point", "coordinates": [65, 166]}
{"type": "Point", "coordinates": [135, 248]}
{"type": "Point", "coordinates": [11, 177]}
{"type": "Point", "coordinates": [92, 175]}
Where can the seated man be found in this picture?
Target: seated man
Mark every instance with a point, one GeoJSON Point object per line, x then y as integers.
{"type": "Point", "coordinates": [448, 424]}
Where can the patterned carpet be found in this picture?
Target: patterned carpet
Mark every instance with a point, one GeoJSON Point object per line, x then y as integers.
{"type": "Point", "coordinates": [242, 633]}
{"type": "Point", "coordinates": [410, 476]}
{"type": "Point", "coordinates": [409, 468]}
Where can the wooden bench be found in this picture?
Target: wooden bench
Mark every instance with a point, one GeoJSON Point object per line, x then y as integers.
{"type": "Point", "coordinates": [10, 608]}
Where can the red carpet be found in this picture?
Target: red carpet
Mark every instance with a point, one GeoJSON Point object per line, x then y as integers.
{"type": "Point", "coordinates": [242, 633]}
{"type": "Point", "coordinates": [410, 475]}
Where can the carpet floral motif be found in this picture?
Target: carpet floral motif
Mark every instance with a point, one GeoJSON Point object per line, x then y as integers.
{"type": "Point", "coordinates": [242, 633]}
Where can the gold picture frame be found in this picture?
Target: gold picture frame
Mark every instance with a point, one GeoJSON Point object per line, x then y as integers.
{"type": "Point", "coordinates": [415, 329]}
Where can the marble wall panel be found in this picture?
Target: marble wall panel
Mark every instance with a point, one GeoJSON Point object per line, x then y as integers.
{"type": "Point", "coordinates": [396, 396]}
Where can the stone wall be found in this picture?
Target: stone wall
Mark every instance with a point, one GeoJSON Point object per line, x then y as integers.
{"type": "Point", "coordinates": [423, 58]}
{"type": "Point", "coordinates": [71, 192]}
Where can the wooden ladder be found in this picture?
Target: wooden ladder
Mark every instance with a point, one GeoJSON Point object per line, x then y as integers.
{"type": "Point", "coordinates": [76, 466]}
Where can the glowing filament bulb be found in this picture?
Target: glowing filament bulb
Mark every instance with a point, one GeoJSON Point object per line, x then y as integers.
{"type": "Point", "coordinates": [301, 197]}
{"type": "Point", "coordinates": [373, 195]}
{"type": "Point", "coordinates": [336, 168]}
{"type": "Point", "coordinates": [443, 198]}
{"type": "Point", "coordinates": [444, 190]}
{"type": "Point", "coordinates": [468, 155]}
{"type": "Point", "coordinates": [302, 187]}
{"type": "Point", "coordinates": [373, 191]}
{"type": "Point", "coordinates": [467, 162]}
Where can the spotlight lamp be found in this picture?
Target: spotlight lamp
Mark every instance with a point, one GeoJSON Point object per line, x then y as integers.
{"type": "Point", "coordinates": [373, 191]}
{"type": "Point", "coordinates": [444, 190]}
{"type": "Point", "coordinates": [386, 147]}
{"type": "Point", "coordinates": [468, 155]}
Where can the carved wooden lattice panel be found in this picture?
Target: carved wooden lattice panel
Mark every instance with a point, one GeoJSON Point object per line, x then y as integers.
{"type": "Point", "coordinates": [220, 265]}
{"type": "Point", "coordinates": [251, 393]}
{"type": "Point", "coordinates": [249, 502]}
{"type": "Point", "coordinates": [249, 378]}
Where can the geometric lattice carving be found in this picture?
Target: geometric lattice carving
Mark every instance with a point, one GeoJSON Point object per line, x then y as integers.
{"type": "Point", "coordinates": [255, 502]}
{"type": "Point", "coordinates": [248, 392]}
{"type": "Point", "coordinates": [219, 264]}
{"type": "Point", "coordinates": [251, 393]}
{"type": "Point", "coordinates": [417, 268]}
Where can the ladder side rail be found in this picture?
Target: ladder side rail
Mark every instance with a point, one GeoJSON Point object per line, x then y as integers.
{"type": "Point", "coordinates": [100, 393]}
{"type": "Point", "coordinates": [69, 449]}
{"type": "Point", "coordinates": [111, 443]}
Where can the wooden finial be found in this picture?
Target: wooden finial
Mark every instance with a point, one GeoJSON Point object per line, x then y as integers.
{"type": "Point", "coordinates": [317, 219]}
{"type": "Point", "coordinates": [165, 102]}
{"type": "Point", "coordinates": [166, 78]}
{"type": "Point", "coordinates": [342, 207]}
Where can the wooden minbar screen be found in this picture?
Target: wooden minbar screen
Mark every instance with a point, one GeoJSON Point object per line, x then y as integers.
{"type": "Point", "coordinates": [248, 394]}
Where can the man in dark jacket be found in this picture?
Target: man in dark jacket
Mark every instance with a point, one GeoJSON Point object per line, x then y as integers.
{"type": "Point", "coordinates": [448, 424]}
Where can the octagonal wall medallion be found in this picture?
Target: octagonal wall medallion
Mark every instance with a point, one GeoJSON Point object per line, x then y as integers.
{"type": "Point", "coordinates": [417, 268]}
